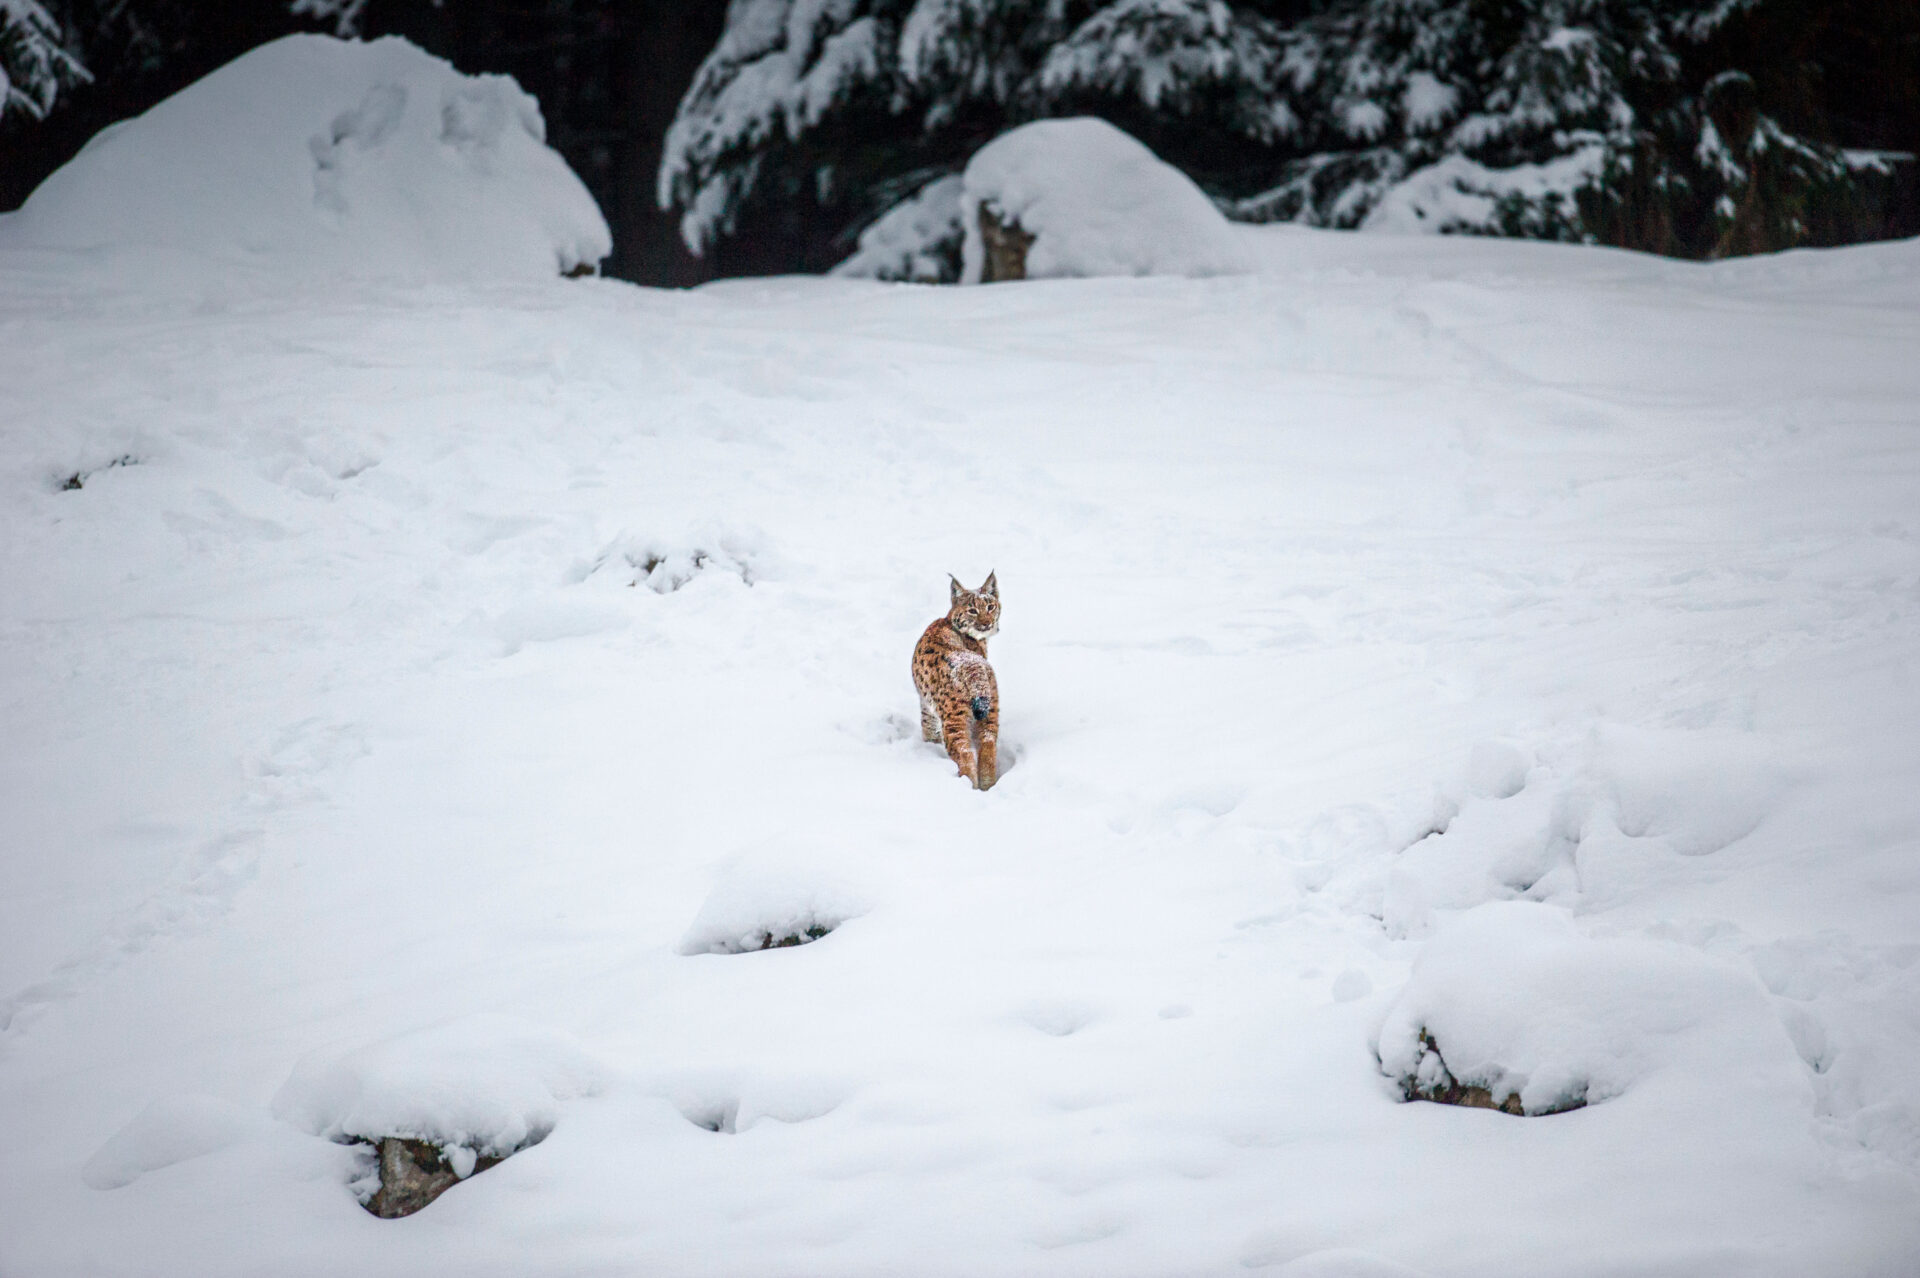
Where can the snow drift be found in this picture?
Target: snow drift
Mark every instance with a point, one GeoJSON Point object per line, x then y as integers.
{"type": "Point", "coordinates": [341, 157]}
{"type": "Point", "coordinates": [171, 1130]}
{"type": "Point", "coordinates": [1097, 202]}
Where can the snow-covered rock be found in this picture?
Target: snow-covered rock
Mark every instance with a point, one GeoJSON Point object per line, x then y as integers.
{"type": "Point", "coordinates": [1096, 202]}
{"type": "Point", "coordinates": [765, 899]}
{"type": "Point", "coordinates": [312, 153]}
{"type": "Point", "coordinates": [487, 1084]}
{"type": "Point", "coordinates": [1513, 998]}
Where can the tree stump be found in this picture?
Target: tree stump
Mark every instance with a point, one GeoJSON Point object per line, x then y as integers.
{"type": "Point", "coordinates": [1006, 246]}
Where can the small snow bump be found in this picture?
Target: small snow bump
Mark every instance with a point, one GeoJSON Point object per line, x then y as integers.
{"type": "Point", "coordinates": [771, 900]}
{"type": "Point", "coordinates": [1059, 1019]}
{"type": "Point", "coordinates": [1498, 769]}
{"type": "Point", "coordinates": [1351, 986]}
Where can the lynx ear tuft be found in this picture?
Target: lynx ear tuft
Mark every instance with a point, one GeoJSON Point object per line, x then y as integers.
{"type": "Point", "coordinates": [958, 589]}
{"type": "Point", "coordinates": [990, 588]}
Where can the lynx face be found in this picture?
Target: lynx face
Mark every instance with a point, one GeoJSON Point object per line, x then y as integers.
{"type": "Point", "coordinates": [976, 613]}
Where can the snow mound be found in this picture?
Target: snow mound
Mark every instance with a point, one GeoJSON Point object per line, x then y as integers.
{"type": "Point", "coordinates": [766, 899]}
{"type": "Point", "coordinates": [1097, 202]}
{"type": "Point", "coordinates": [368, 159]}
{"type": "Point", "coordinates": [913, 242]}
{"type": "Point", "coordinates": [168, 1131]}
{"type": "Point", "coordinates": [1519, 1002]}
{"type": "Point", "coordinates": [488, 1084]}
{"type": "Point", "coordinates": [1345, 1262]}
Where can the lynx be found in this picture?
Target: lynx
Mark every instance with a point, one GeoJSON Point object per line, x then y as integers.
{"type": "Point", "coordinates": [959, 700]}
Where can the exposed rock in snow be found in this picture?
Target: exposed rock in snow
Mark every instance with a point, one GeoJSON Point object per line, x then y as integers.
{"type": "Point", "coordinates": [1096, 202]}
{"type": "Point", "coordinates": [415, 1172]}
{"type": "Point", "coordinates": [317, 154]}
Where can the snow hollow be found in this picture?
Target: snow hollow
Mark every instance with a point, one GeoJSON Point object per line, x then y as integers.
{"type": "Point", "coordinates": [1427, 665]}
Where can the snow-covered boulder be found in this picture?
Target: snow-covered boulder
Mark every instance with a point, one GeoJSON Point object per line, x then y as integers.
{"type": "Point", "coordinates": [772, 898]}
{"type": "Point", "coordinates": [1512, 999]}
{"type": "Point", "coordinates": [312, 153]}
{"type": "Point", "coordinates": [488, 1085]}
{"type": "Point", "coordinates": [1095, 202]}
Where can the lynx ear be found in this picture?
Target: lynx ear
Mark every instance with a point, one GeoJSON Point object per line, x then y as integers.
{"type": "Point", "coordinates": [990, 588]}
{"type": "Point", "coordinates": [958, 589]}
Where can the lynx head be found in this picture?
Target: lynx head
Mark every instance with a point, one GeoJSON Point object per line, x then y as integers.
{"type": "Point", "coordinates": [976, 613]}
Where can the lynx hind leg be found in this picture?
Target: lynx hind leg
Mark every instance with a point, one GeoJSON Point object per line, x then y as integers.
{"type": "Point", "coordinates": [929, 722]}
{"type": "Point", "coordinates": [987, 767]}
{"type": "Point", "coordinates": [959, 735]}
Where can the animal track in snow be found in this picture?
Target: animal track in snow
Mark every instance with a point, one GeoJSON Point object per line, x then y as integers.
{"type": "Point", "coordinates": [75, 480]}
{"type": "Point", "coordinates": [287, 772]}
{"type": "Point", "coordinates": [1595, 822]}
{"type": "Point", "coordinates": [727, 1105]}
{"type": "Point", "coordinates": [664, 566]}
{"type": "Point", "coordinates": [722, 1117]}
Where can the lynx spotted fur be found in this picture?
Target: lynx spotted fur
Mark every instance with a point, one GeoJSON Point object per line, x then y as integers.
{"type": "Point", "coordinates": [959, 700]}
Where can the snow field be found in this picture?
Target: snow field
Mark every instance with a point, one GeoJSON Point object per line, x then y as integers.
{"type": "Point", "coordinates": [1503, 640]}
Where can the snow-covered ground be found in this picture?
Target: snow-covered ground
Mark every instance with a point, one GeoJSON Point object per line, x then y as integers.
{"type": "Point", "coordinates": [427, 689]}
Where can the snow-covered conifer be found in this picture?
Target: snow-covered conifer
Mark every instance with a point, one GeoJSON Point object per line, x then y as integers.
{"type": "Point", "coordinates": [782, 69]}
{"type": "Point", "coordinates": [841, 103]}
{"type": "Point", "coordinates": [35, 65]}
{"type": "Point", "coordinates": [1583, 120]}
{"type": "Point", "coordinates": [1557, 119]}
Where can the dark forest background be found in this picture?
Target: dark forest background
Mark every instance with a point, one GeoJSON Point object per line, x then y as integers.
{"type": "Point", "coordinates": [1832, 79]}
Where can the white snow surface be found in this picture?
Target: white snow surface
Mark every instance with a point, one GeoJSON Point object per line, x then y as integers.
{"type": "Point", "coordinates": [319, 155]}
{"type": "Point", "coordinates": [1511, 640]}
{"type": "Point", "coordinates": [1097, 202]}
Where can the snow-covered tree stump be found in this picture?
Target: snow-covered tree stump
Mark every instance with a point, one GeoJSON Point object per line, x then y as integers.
{"type": "Point", "coordinates": [1006, 245]}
